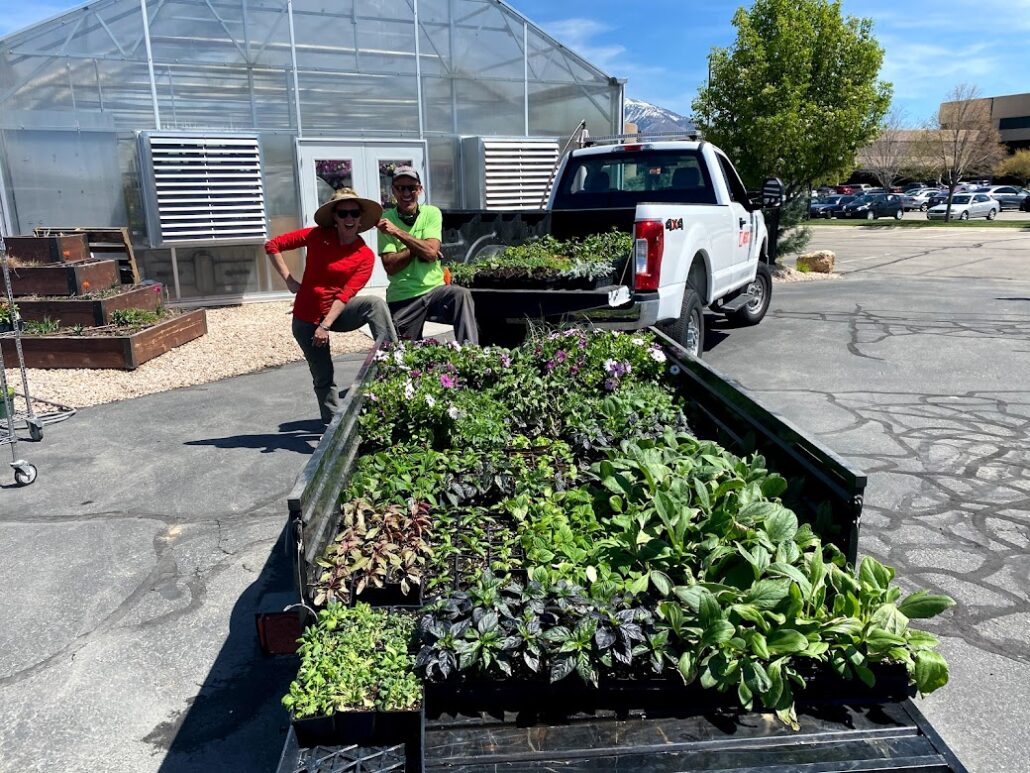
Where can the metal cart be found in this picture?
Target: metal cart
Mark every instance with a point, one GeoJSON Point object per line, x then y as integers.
{"type": "Point", "coordinates": [24, 472]}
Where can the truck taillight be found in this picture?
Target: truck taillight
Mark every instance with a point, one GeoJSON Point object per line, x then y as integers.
{"type": "Point", "coordinates": [648, 246]}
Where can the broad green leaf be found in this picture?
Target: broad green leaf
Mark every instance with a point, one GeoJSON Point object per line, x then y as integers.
{"type": "Point", "coordinates": [690, 595]}
{"type": "Point", "coordinates": [785, 641]}
{"type": "Point", "coordinates": [848, 626]}
{"type": "Point", "coordinates": [703, 498]}
{"type": "Point", "coordinates": [757, 511]}
{"type": "Point", "coordinates": [661, 582]}
{"type": "Point", "coordinates": [931, 671]}
{"type": "Point", "coordinates": [744, 694]}
{"type": "Point", "coordinates": [920, 640]}
{"type": "Point", "coordinates": [718, 632]}
{"type": "Point", "coordinates": [773, 486]}
{"type": "Point", "coordinates": [759, 645]}
{"type": "Point", "coordinates": [709, 610]}
{"type": "Point", "coordinates": [638, 585]}
{"type": "Point", "coordinates": [890, 619]}
{"type": "Point", "coordinates": [879, 640]}
{"type": "Point", "coordinates": [874, 574]}
{"type": "Point", "coordinates": [686, 667]}
{"type": "Point", "coordinates": [795, 574]}
{"type": "Point", "coordinates": [923, 604]}
{"type": "Point", "coordinates": [782, 525]}
{"type": "Point", "coordinates": [750, 613]}
{"type": "Point", "coordinates": [766, 594]}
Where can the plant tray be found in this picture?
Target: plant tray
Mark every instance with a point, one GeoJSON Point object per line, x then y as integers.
{"type": "Point", "coordinates": [658, 697]}
{"type": "Point", "coordinates": [89, 312]}
{"type": "Point", "coordinates": [361, 728]}
{"type": "Point", "coordinates": [48, 249]}
{"type": "Point", "coordinates": [64, 279]}
{"type": "Point", "coordinates": [390, 595]}
{"type": "Point", "coordinates": [124, 352]}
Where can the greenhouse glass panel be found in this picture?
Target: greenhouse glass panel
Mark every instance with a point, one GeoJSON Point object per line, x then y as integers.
{"type": "Point", "coordinates": [194, 31]}
{"type": "Point", "coordinates": [55, 176]}
{"type": "Point", "coordinates": [438, 105]}
{"type": "Point", "coordinates": [195, 96]}
{"type": "Point", "coordinates": [278, 168]}
{"type": "Point", "coordinates": [556, 110]}
{"type": "Point", "coordinates": [273, 100]}
{"type": "Point", "coordinates": [339, 105]}
{"type": "Point", "coordinates": [327, 40]}
{"type": "Point", "coordinates": [268, 32]}
{"type": "Point", "coordinates": [444, 171]}
{"type": "Point", "coordinates": [490, 107]}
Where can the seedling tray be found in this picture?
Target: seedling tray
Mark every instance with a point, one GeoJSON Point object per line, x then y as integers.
{"type": "Point", "coordinates": [390, 595]}
{"type": "Point", "coordinates": [361, 728]}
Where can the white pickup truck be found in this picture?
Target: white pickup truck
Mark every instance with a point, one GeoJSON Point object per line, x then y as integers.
{"type": "Point", "coordinates": [700, 240]}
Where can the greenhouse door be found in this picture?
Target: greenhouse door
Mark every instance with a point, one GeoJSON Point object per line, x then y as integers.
{"type": "Point", "coordinates": [367, 167]}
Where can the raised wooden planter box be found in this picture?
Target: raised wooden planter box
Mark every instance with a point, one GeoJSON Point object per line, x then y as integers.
{"type": "Point", "coordinates": [83, 311]}
{"type": "Point", "coordinates": [48, 249]}
{"type": "Point", "coordinates": [124, 352]}
{"type": "Point", "coordinates": [71, 279]}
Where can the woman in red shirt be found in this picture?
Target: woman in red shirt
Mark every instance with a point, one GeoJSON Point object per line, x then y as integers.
{"type": "Point", "coordinates": [338, 264]}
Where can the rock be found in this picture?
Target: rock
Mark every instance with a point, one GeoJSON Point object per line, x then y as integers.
{"type": "Point", "coordinates": [820, 261]}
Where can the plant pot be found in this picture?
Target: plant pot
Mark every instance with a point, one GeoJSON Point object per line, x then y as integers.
{"type": "Point", "coordinates": [315, 731]}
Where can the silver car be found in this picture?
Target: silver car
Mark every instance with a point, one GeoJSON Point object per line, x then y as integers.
{"type": "Point", "coordinates": [965, 206]}
{"type": "Point", "coordinates": [1007, 196]}
{"type": "Point", "coordinates": [918, 199]}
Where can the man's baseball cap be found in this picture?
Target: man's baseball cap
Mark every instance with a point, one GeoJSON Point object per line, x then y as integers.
{"type": "Point", "coordinates": [407, 171]}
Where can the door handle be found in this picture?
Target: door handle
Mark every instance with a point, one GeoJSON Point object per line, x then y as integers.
{"type": "Point", "coordinates": [742, 222]}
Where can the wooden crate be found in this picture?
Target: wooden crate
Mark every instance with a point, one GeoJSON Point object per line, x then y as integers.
{"type": "Point", "coordinates": [83, 311]}
{"type": "Point", "coordinates": [70, 279]}
{"type": "Point", "coordinates": [48, 249]}
{"type": "Point", "coordinates": [123, 352]}
{"type": "Point", "coordinates": [105, 243]}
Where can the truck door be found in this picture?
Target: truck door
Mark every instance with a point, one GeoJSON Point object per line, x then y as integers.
{"type": "Point", "coordinates": [743, 221]}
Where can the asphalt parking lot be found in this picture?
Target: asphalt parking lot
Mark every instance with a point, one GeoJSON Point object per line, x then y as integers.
{"type": "Point", "coordinates": [915, 365]}
{"type": "Point", "coordinates": [134, 565]}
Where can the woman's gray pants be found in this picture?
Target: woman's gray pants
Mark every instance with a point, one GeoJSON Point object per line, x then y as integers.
{"type": "Point", "coordinates": [358, 311]}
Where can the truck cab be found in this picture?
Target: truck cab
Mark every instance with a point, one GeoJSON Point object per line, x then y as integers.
{"type": "Point", "coordinates": [700, 240]}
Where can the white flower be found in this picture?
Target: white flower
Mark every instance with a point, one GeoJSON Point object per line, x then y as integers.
{"type": "Point", "coordinates": [381, 355]}
{"type": "Point", "coordinates": [609, 366]}
{"type": "Point", "coordinates": [409, 390]}
{"type": "Point", "coordinates": [430, 401]}
{"type": "Point", "coordinates": [638, 340]}
{"type": "Point", "coordinates": [454, 412]}
{"type": "Point", "coordinates": [657, 354]}
{"type": "Point", "coordinates": [455, 346]}
{"type": "Point", "coordinates": [398, 357]}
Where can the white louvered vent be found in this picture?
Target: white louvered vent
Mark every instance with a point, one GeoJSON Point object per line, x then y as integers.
{"type": "Point", "coordinates": [516, 172]}
{"type": "Point", "coordinates": [203, 188]}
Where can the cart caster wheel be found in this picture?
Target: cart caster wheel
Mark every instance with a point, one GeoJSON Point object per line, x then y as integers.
{"type": "Point", "coordinates": [35, 431]}
{"type": "Point", "coordinates": [24, 473]}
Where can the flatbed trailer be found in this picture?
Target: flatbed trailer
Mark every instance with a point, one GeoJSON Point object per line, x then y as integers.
{"type": "Point", "coordinates": [856, 730]}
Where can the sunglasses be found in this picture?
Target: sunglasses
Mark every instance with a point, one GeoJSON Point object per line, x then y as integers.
{"type": "Point", "coordinates": [342, 213]}
{"type": "Point", "coordinates": [406, 188]}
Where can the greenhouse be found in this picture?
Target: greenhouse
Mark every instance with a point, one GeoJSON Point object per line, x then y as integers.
{"type": "Point", "coordinates": [203, 126]}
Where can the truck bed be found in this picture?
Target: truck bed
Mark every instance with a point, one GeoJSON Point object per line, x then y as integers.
{"type": "Point", "coordinates": [848, 731]}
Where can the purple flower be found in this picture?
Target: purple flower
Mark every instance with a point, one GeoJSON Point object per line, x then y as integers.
{"type": "Point", "coordinates": [574, 370]}
{"type": "Point", "coordinates": [611, 384]}
{"type": "Point", "coordinates": [582, 343]}
{"type": "Point", "coordinates": [561, 355]}
{"type": "Point", "coordinates": [446, 381]}
{"type": "Point", "coordinates": [505, 360]}
{"type": "Point", "coordinates": [416, 374]}
{"type": "Point", "coordinates": [550, 364]}
{"type": "Point", "coordinates": [373, 397]}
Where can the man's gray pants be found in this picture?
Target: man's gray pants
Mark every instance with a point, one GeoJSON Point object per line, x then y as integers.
{"type": "Point", "coordinates": [358, 311]}
{"type": "Point", "coordinates": [447, 304]}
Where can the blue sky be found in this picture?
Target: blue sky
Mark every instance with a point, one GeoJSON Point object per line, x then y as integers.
{"type": "Point", "coordinates": [661, 46]}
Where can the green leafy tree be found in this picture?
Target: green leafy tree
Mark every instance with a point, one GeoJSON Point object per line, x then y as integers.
{"type": "Point", "coordinates": [1017, 165]}
{"type": "Point", "coordinates": [796, 96]}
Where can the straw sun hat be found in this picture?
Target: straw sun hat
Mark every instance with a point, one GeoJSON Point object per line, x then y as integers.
{"type": "Point", "coordinates": [371, 211]}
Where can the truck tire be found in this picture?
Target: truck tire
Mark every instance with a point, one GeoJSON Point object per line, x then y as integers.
{"type": "Point", "coordinates": [761, 287]}
{"type": "Point", "coordinates": [688, 330]}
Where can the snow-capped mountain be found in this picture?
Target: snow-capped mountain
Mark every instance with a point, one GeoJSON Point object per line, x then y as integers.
{"type": "Point", "coordinates": [652, 119]}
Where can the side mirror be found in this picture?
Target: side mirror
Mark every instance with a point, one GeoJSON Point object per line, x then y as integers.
{"type": "Point", "coordinates": [772, 193]}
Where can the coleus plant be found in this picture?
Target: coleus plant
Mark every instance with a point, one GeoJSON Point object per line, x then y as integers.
{"type": "Point", "coordinates": [373, 548]}
{"type": "Point", "coordinates": [355, 659]}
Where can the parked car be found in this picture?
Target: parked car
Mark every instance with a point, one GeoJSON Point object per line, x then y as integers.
{"type": "Point", "coordinates": [1007, 196]}
{"type": "Point", "coordinates": [914, 186]}
{"type": "Point", "coordinates": [875, 206]}
{"type": "Point", "coordinates": [1025, 206]}
{"type": "Point", "coordinates": [847, 189]}
{"type": "Point", "coordinates": [828, 206]}
{"type": "Point", "coordinates": [965, 206]}
{"type": "Point", "coordinates": [917, 198]}
{"type": "Point", "coordinates": [937, 197]}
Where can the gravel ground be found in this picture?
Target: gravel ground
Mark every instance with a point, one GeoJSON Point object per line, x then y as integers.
{"type": "Point", "coordinates": [240, 339]}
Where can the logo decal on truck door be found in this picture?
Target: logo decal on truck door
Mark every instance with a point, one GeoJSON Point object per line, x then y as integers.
{"type": "Point", "coordinates": [674, 224]}
{"type": "Point", "coordinates": [744, 238]}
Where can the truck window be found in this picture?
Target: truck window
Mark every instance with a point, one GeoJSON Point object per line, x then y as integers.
{"type": "Point", "coordinates": [738, 192]}
{"type": "Point", "coordinates": [627, 178]}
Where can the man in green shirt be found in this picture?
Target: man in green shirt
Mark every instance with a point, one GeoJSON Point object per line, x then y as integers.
{"type": "Point", "coordinates": [409, 246]}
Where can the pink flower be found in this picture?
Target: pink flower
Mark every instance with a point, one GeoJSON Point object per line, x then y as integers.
{"type": "Point", "coordinates": [447, 382]}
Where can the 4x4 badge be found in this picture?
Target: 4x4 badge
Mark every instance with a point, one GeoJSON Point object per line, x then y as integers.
{"type": "Point", "coordinates": [674, 224]}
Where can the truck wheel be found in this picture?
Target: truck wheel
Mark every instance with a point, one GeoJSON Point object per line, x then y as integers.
{"type": "Point", "coordinates": [761, 289]}
{"type": "Point", "coordinates": [689, 329]}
